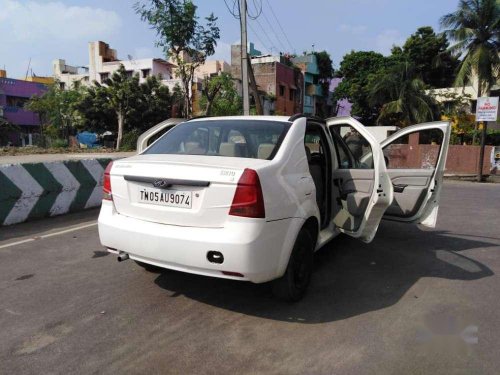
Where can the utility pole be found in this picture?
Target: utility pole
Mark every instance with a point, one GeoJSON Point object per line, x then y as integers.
{"type": "Point", "coordinates": [244, 57]}
{"type": "Point", "coordinates": [258, 104]}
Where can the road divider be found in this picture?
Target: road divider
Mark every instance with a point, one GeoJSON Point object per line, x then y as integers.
{"type": "Point", "coordinates": [36, 190]}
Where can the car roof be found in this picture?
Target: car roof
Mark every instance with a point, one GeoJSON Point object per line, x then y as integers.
{"type": "Point", "coordinates": [255, 118]}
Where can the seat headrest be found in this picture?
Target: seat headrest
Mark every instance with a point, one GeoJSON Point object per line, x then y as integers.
{"type": "Point", "coordinates": [232, 149]}
{"type": "Point", "coordinates": [265, 150]}
{"type": "Point", "coordinates": [308, 154]}
{"type": "Point", "coordinates": [194, 148]}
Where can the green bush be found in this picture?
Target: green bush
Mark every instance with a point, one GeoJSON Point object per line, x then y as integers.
{"type": "Point", "coordinates": [59, 143]}
{"type": "Point", "coordinates": [129, 141]}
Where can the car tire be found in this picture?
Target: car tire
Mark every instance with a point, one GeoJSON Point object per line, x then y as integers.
{"type": "Point", "coordinates": [293, 284]}
{"type": "Point", "coordinates": [149, 267]}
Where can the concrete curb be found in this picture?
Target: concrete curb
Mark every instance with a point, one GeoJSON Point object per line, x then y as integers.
{"type": "Point", "coordinates": [34, 190]}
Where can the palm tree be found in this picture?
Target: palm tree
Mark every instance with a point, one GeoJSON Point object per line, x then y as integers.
{"type": "Point", "coordinates": [401, 94]}
{"type": "Point", "coordinates": [475, 29]}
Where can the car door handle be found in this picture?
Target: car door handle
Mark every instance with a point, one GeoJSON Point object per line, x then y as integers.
{"type": "Point", "coordinates": [399, 188]}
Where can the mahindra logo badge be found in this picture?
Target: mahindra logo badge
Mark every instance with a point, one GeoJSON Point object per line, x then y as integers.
{"type": "Point", "coordinates": [160, 184]}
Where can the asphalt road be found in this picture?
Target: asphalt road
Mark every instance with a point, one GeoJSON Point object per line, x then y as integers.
{"type": "Point", "coordinates": [413, 301]}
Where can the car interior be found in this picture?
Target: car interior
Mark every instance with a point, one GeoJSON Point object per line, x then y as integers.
{"type": "Point", "coordinates": [353, 179]}
{"type": "Point", "coordinates": [319, 160]}
{"type": "Point", "coordinates": [411, 162]}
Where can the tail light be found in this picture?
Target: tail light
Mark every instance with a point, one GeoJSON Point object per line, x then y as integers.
{"type": "Point", "coordinates": [248, 200]}
{"type": "Point", "coordinates": [106, 183]}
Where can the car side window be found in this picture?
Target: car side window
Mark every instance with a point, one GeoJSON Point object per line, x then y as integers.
{"type": "Point", "coordinates": [353, 150]}
{"type": "Point", "coordinates": [417, 150]}
{"type": "Point", "coordinates": [314, 143]}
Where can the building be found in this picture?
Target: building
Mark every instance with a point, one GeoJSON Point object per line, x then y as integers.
{"type": "Point", "coordinates": [103, 61]}
{"type": "Point", "coordinates": [276, 77]}
{"type": "Point", "coordinates": [313, 91]}
{"type": "Point", "coordinates": [444, 95]}
{"type": "Point", "coordinates": [14, 93]}
{"type": "Point", "coordinates": [40, 79]}
{"type": "Point", "coordinates": [212, 68]}
{"type": "Point", "coordinates": [341, 107]}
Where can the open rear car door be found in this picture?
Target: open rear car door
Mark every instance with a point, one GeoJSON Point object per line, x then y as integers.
{"type": "Point", "coordinates": [362, 188]}
{"type": "Point", "coordinates": [152, 134]}
{"type": "Point", "coordinates": [415, 158]}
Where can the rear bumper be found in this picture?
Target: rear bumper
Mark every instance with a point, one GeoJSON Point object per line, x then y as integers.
{"type": "Point", "coordinates": [257, 249]}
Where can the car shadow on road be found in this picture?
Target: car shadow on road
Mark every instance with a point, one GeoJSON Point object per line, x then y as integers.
{"type": "Point", "coordinates": [350, 278]}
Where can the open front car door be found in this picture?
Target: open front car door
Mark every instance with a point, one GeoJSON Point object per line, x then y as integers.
{"type": "Point", "coordinates": [362, 188]}
{"type": "Point", "coordinates": [415, 158]}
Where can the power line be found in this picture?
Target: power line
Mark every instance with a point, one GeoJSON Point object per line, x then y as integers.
{"type": "Point", "coordinates": [232, 9]}
{"type": "Point", "coordinates": [258, 37]}
{"type": "Point", "coordinates": [274, 32]}
{"type": "Point", "coordinates": [279, 24]}
{"type": "Point", "coordinates": [259, 11]}
{"type": "Point", "coordinates": [271, 44]}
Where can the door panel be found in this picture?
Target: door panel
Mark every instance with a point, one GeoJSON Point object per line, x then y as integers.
{"type": "Point", "coordinates": [415, 157]}
{"type": "Point", "coordinates": [362, 189]}
{"type": "Point", "coordinates": [355, 187]}
{"type": "Point", "coordinates": [410, 189]}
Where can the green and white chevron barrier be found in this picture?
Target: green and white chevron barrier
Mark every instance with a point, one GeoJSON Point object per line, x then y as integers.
{"type": "Point", "coordinates": [29, 191]}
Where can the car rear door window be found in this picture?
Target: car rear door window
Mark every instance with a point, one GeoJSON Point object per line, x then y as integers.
{"type": "Point", "coordinates": [256, 139]}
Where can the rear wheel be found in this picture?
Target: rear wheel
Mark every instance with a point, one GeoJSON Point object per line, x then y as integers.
{"type": "Point", "coordinates": [149, 267]}
{"type": "Point", "coordinates": [293, 284]}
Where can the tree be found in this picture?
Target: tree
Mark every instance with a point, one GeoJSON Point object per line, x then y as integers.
{"type": "Point", "coordinates": [430, 56]}
{"type": "Point", "coordinates": [401, 94]}
{"type": "Point", "coordinates": [155, 104]}
{"type": "Point", "coordinates": [97, 114]}
{"type": "Point", "coordinates": [123, 95]}
{"type": "Point", "coordinates": [325, 68]}
{"type": "Point", "coordinates": [475, 29]}
{"type": "Point", "coordinates": [58, 108]}
{"type": "Point", "coordinates": [122, 100]}
{"type": "Point", "coordinates": [358, 70]}
{"type": "Point", "coordinates": [220, 98]}
{"type": "Point", "coordinates": [181, 36]}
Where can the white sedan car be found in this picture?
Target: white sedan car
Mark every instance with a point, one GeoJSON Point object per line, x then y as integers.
{"type": "Point", "coordinates": [252, 198]}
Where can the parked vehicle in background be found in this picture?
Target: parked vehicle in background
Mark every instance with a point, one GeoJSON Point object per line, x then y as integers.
{"type": "Point", "coordinates": [252, 198]}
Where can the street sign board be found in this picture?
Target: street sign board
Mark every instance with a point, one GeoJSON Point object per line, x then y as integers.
{"type": "Point", "coordinates": [487, 108]}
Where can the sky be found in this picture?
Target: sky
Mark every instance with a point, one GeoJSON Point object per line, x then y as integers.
{"type": "Point", "coordinates": [44, 30]}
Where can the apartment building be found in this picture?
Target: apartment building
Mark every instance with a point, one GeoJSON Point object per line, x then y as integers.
{"type": "Point", "coordinates": [276, 77]}
{"type": "Point", "coordinates": [14, 94]}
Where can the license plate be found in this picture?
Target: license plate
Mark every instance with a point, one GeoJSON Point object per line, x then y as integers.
{"type": "Point", "coordinates": [169, 198]}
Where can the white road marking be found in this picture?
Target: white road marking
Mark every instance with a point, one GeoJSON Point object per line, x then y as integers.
{"type": "Point", "coordinates": [36, 238]}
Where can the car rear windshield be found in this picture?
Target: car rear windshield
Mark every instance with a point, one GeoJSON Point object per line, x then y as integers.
{"type": "Point", "coordinates": [257, 139]}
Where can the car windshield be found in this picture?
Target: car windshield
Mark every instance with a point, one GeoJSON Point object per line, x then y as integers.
{"type": "Point", "coordinates": [257, 139]}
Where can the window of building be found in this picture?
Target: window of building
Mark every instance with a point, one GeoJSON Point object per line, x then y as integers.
{"type": "Point", "coordinates": [282, 90]}
{"type": "Point", "coordinates": [16, 101]}
{"type": "Point", "coordinates": [292, 94]}
{"type": "Point", "coordinates": [104, 76]}
{"type": "Point", "coordinates": [130, 73]}
{"type": "Point", "coordinates": [62, 85]}
{"type": "Point", "coordinates": [145, 73]}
